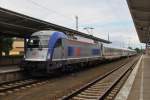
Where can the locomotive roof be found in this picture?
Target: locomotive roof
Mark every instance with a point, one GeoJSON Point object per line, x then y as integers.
{"type": "Point", "coordinates": [44, 32]}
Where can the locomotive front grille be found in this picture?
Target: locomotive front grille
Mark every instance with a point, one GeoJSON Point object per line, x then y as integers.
{"type": "Point", "coordinates": [32, 67]}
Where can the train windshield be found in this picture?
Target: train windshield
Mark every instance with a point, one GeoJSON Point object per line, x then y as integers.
{"type": "Point", "coordinates": [38, 42]}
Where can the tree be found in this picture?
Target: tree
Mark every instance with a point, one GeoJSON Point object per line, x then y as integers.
{"type": "Point", "coordinates": [130, 48]}
{"type": "Point", "coordinates": [5, 45]}
{"type": "Point", "coordinates": [137, 50]}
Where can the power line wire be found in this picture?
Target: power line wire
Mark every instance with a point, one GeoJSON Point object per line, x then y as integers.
{"type": "Point", "coordinates": [48, 9]}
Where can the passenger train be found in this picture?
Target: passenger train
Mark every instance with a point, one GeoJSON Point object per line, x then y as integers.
{"type": "Point", "coordinates": [47, 51]}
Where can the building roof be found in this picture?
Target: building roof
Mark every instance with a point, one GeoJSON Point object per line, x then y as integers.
{"type": "Point", "coordinates": [19, 25]}
{"type": "Point", "coordinates": [140, 11]}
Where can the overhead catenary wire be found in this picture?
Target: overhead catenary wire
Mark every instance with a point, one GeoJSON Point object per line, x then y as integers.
{"type": "Point", "coordinates": [49, 10]}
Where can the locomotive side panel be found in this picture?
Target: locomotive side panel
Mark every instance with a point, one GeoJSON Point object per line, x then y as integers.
{"type": "Point", "coordinates": [80, 51]}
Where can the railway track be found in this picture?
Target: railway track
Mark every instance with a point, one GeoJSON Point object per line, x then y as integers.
{"type": "Point", "coordinates": [104, 87]}
{"type": "Point", "coordinates": [18, 85]}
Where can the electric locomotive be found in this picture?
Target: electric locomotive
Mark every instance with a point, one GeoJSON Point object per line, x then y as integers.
{"type": "Point", "coordinates": [48, 50]}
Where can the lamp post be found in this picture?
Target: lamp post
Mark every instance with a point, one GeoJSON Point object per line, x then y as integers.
{"type": "Point", "coordinates": [76, 17]}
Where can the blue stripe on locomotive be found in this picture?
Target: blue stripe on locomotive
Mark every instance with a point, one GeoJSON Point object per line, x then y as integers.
{"type": "Point", "coordinates": [52, 41]}
{"type": "Point", "coordinates": [95, 51]}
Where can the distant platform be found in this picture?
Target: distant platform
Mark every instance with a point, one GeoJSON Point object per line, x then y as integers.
{"type": "Point", "coordinates": [137, 86]}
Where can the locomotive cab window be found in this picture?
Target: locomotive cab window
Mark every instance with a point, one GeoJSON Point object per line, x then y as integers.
{"type": "Point", "coordinates": [33, 42]}
{"type": "Point", "coordinates": [37, 42]}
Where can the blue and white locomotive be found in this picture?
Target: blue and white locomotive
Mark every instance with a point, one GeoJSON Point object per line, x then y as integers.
{"type": "Point", "coordinates": [48, 50]}
{"type": "Point", "coordinates": [51, 50]}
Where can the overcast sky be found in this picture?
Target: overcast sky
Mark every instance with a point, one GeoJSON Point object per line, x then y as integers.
{"type": "Point", "coordinates": [105, 16]}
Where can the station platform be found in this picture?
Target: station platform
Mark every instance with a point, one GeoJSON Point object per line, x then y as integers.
{"type": "Point", "coordinates": [137, 86]}
{"type": "Point", "coordinates": [8, 69]}
{"type": "Point", "coordinates": [10, 73]}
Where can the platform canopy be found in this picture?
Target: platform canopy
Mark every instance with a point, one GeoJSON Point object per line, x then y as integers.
{"type": "Point", "coordinates": [140, 11]}
{"type": "Point", "coordinates": [19, 25]}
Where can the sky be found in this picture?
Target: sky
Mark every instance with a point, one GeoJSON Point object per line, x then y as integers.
{"type": "Point", "coordinates": [105, 16]}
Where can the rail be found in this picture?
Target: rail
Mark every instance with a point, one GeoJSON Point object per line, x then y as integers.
{"type": "Point", "coordinates": [99, 88]}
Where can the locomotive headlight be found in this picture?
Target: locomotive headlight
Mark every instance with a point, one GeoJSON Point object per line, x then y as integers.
{"type": "Point", "coordinates": [27, 40]}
